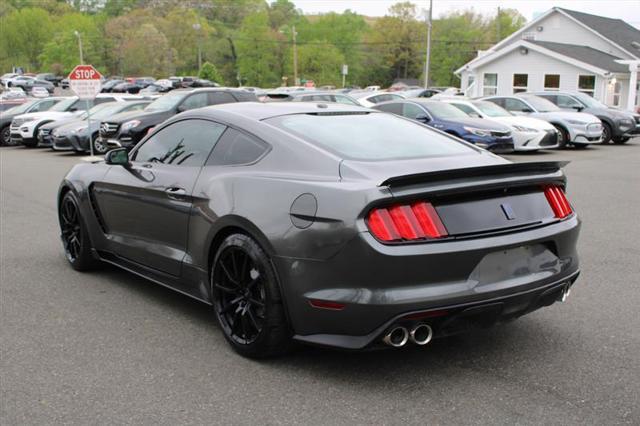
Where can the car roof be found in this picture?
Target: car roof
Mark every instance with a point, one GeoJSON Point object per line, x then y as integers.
{"type": "Point", "coordinates": [260, 111]}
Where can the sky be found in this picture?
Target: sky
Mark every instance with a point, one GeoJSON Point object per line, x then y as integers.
{"type": "Point", "coordinates": [628, 10]}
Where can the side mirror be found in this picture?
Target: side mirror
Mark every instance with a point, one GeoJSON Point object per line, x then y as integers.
{"type": "Point", "coordinates": [73, 109]}
{"type": "Point", "coordinates": [117, 157]}
{"type": "Point", "coordinates": [527, 110]}
{"type": "Point", "coordinates": [577, 107]}
{"type": "Point", "coordinates": [181, 108]}
{"type": "Point", "coordinates": [423, 118]}
{"type": "Point", "coordinates": [474, 115]}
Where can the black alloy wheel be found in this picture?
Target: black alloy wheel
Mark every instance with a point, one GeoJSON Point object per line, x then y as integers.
{"type": "Point", "coordinates": [6, 137]}
{"type": "Point", "coordinates": [606, 133]}
{"type": "Point", "coordinates": [75, 238]}
{"type": "Point", "coordinates": [563, 136]}
{"type": "Point", "coordinates": [99, 147]}
{"type": "Point", "coordinates": [246, 299]}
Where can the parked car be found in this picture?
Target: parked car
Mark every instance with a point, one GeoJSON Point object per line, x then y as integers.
{"type": "Point", "coordinates": [78, 135]}
{"type": "Point", "coordinates": [6, 104]}
{"type": "Point", "coordinates": [310, 96]}
{"type": "Point", "coordinates": [529, 134]}
{"type": "Point", "coordinates": [340, 227]}
{"type": "Point", "coordinates": [108, 85]}
{"type": "Point", "coordinates": [24, 128]}
{"type": "Point", "coordinates": [13, 93]}
{"type": "Point", "coordinates": [154, 89]}
{"type": "Point", "coordinates": [187, 81]}
{"type": "Point", "coordinates": [27, 83]}
{"type": "Point", "coordinates": [486, 134]}
{"type": "Point", "coordinates": [50, 77]}
{"type": "Point", "coordinates": [176, 82]}
{"type": "Point", "coordinates": [419, 93]}
{"type": "Point", "coordinates": [575, 128]}
{"type": "Point", "coordinates": [617, 126]}
{"type": "Point", "coordinates": [127, 129]}
{"type": "Point", "coordinates": [36, 105]}
{"type": "Point", "coordinates": [39, 92]}
{"type": "Point", "coordinates": [200, 82]}
{"type": "Point", "coordinates": [4, 79]}
{"type": "Point", "coordinates": [368, 98]}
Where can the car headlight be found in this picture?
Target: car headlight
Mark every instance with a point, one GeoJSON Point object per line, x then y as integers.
{"type": "Point", "coordinates": [577, 122]}
{"type": "Point", "coordinates": [478, 132]}
{"type": "Point", "coordinates": [525, 129]}
{"type": "Point", "coordinates": [130, 124]}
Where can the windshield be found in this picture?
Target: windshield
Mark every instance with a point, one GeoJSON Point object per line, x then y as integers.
{"type": "Point", "coordinates": [588, 101]}
{"type": "Point", "coordinates": [491, 110]}
{"type": "Point", "coordinates": [63, 105]}
{"type": "Point", "coordinates": [20, 109]}
{"type": "Point", "coordinates": [369, 136]}
{"type": "Point", "coordinates": [444, 111]}
{"type": "Point", "coordinates": [166, 102]}
{"type": "Point", "coordinates": [541, 105]}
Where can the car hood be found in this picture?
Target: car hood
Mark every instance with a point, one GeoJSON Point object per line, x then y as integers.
{"type": "Point", "coordinates": [60, 123]}
{"type": "Point", "coordinates": [568, 115]}
{"type": "Point", "coordinates": [70, 124]}
{"type": "Point", "coordinates": [533, 123]}
{"type": "Point", "coordinates": [46, 115]}
{"type": "Point", "coordinates": [478, 123]}
{"type": "Point", "coordinates": [146, 116]}
{"type": "Point", "coordinates": [609, 113]}
{"type": "Point", "coordinates": [378, 171]}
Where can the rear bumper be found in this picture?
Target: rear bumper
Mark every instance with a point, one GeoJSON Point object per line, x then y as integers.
{"type": "Point", "coordinates": [379, 284]}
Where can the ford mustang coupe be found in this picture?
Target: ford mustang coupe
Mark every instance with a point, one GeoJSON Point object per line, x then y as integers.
{"type": "Point", "coordinates": [328, 224]}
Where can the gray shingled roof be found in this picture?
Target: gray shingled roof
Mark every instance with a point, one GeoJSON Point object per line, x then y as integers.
{"type": "Point", "coordinates": [585, 54]}
{"type": "Point", "coordinates": [615, 30]}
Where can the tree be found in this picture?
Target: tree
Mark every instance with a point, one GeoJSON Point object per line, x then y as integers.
{"type": "Point", "coordinates": [282, 12]}
{"type": "Point", "coordinates": [257, 51]}
{"type": "Point", "coordinates": [146, 51]}
{"type": "Point", "coordinates": [24, 33]}
{"type": "Point", "coordinates": [210, 72]}
{"type": "Point", "coordinates": [320, 62]}
{"type": "Point", "coordinates": [185, 30]}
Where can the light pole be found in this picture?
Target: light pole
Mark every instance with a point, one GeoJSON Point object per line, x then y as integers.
{"type": "Point", "coordinates": [77, 34]}
{"type": "Point", "coordinates": [197, 27]}
{"type": "Point", "coordinates": [296, 82]}
{"type": "Point", "coordinates": [427, 62]}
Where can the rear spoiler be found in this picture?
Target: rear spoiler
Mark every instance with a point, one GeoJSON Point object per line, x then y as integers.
{"type": "Point", "coordinates": [530, 168]}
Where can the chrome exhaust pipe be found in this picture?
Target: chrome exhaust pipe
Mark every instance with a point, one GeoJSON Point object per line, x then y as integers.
{"type": "Point", "coordinates": [566, 291]}
{"type": "Point", "coordinates": [421, 334]}
{"type": "Point", "coordinates": [397, 337]}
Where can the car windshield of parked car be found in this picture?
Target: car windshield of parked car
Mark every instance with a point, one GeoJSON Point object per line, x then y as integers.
{"type": "Point", "coordinates": [63, 105]}
{"type": "Point", "coordinates": [491, 110]}
{"type": "Point", "coordinates": [369, 136]}
{"type": "Point", "coordinates": [166, 102]}
{"type": "Point", "coordinates": [21, 109]}
{"type": "Point", "coordinates": [541, 105]}
{"type": "Point", "coordinates": [588, 101]}
{"type": "Point", "coordinates": [444, 111]}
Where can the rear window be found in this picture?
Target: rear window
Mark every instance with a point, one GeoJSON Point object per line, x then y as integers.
{"type": "Point", "coordinates": [369, 136]}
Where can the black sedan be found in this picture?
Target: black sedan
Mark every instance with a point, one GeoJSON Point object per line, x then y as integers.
{"type": "Point", "coordinates": [325, 224]}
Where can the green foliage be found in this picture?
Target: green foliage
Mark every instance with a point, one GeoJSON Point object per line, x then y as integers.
{"type": "Point", "coordinates": [250, 41]}
{"type": "Point", "coordinates": [210, 72]}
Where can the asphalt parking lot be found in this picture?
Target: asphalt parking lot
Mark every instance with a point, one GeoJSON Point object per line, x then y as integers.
{"type": "Point", "coordinates": [109, 347]}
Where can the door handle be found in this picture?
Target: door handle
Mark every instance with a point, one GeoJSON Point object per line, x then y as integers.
{"type": "Point", "coordinates": [175, 193]}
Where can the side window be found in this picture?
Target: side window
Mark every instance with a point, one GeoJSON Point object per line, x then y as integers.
{"type": "Point", "coordinates": [344, 100]}
{"type": "Point", "coordinates": [551, 98]}
{"type": "Point", "coordinates": [197, 100]}
{"type": "Point", "coordinates": [318, 98]}
{"type": "Point", "coordinates": [184, 143]}
{"type": "Point", "coordinates": [98, 101]}
{"type": "Point", "coordinates": [43, 106]}
{"type": "Point", "coordinates": [375, 99]}
{"type": "Point", "coordinates": [393, 108]}
{"type": "Point", "coordinates": [236, 148]}
{"type": "Point", "coordinates": [516, 105]}
{"type": "Point", "coordinates": [217, 98]}
{"type": "Point", "coordinates": [498, 101]}
{"type": "Point", "coordinates": [412, 111]}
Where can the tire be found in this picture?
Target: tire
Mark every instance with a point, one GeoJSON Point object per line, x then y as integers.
{"type": "Point", "coordinates": [563, 140]}
{"type": "Point", "coordinates": [247, 300]}
{"type": "Point", "coordinates": [74, 234]}
{"type": "Point", "coordinates": [621, 141]}
{"type": "Point", "coordinates": [606, 133]}
{"type": "Point", "coordinates": [99, 148]}
{"type": "Point", "coordinates": [5, 136]}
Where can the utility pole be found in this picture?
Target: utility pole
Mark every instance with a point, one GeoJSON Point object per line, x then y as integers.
{"type": "Point", "coordinates": [498, 26]}
{"type": "Point", "coordinates": [77, 34]}
{"type": "Point", "coordinates": [295, 57]}
{"type": "Point", "coordinates": [197, 27]}
{"type": "Point", "coordinates": [427, 62]}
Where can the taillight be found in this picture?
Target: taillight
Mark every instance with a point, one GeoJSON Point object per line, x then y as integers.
{"type": "Point", "coordinates": [407, 222]}
{"type": "Point", "coordinates": [558, 201]}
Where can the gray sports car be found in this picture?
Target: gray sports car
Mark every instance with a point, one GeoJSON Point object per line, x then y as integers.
{"type": "Point", "coordinates": [328, 224]}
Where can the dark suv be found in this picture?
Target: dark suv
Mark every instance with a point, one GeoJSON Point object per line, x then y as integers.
{"type": "Point", "coordinates": [617, 126]}
{"type": "Point", "coordinates": [127, 129]}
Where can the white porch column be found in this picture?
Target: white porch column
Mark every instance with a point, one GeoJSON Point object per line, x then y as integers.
{"type": "Point", "coordinates": [633, 86]}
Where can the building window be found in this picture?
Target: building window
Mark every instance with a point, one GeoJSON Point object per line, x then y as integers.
{"type": "Point", "coordinates": [587, 84]}
{"type": "Point", "coordinates": [520, 82]}
{"type": "Point", "coordinates": [617, 88]}
{"type": "Point", "coordinates": [552, 82]}
{"type": "Point", "coordinates": [490, 84]}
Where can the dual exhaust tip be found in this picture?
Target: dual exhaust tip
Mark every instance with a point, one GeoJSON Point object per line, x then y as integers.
{"type": "Point", "coordinates": [420, 334]}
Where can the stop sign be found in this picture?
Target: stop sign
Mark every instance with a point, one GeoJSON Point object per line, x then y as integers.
{"type": "Point", "coordinates": [85, 81]}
